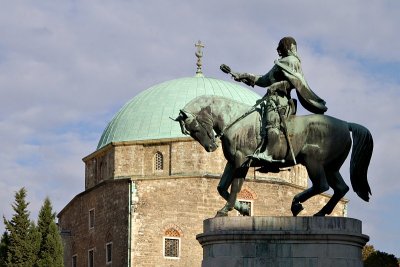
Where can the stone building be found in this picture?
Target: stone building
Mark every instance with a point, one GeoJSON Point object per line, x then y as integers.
{"type": "Point", "coordinates": [148, 188]}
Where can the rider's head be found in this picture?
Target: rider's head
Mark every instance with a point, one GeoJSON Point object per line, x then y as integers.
{"type": "Point", "coordinates": [287, 45]}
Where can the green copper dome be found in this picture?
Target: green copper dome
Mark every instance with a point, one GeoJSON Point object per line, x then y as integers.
{"type": "Point", "coordinates": [146, 116]}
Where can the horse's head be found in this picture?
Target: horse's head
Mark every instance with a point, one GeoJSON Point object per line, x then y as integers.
{"type": "Point", "coordinates": [199, 129]}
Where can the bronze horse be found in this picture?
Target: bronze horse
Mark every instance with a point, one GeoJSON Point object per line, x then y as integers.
{"type": "Point", "coordinates": [321, 143]}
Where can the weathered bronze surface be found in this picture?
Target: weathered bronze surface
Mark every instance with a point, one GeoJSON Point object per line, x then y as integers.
{"type": "Point", "coordinates": [321, 143]}
{"type": "Point", "coordinates": [284, 76]}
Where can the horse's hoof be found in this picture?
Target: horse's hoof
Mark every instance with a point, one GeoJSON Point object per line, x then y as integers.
{"type": "Point", "coordinates": [319, 214]}
{"type": "Point", "coordinates": [245, 212]}
{"type": "Point", "coordinates": [221, 214]}
{"type": "Point", "coordinates": [296, 208]}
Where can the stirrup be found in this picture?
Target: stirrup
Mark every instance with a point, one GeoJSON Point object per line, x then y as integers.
{"type": "Point", "coordinates": [265, 157]}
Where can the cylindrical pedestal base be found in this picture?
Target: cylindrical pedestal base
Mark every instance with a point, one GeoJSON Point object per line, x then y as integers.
{"type": "Point", "coordinates": [282, 241]}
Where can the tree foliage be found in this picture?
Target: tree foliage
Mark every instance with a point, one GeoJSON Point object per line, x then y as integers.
{"type": "Point", "coordinates": [380, 259]}
{"type": "Point", "coordinates": [24, 243]}
{"type": "Point", "coordinates": [23, 238]}
{"type": "Point", "coordinates": [367, 250]}
{"type": "Point", "coordinates": [50, 250]}
{"type": "Point", "coordinates": [4, 243]}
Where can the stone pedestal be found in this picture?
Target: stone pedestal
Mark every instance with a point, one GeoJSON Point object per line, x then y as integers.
{"type": "Point", "coordinates": [282, 242]}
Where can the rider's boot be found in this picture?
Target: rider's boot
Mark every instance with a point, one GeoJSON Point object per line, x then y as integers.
{"type": "Point", "coordinates": [273, 145]}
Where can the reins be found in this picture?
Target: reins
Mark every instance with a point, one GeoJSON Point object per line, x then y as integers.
{"type": "Point", "coordinates": [253, 108]}
{"type": "Point", "coordinates": [247, 113]}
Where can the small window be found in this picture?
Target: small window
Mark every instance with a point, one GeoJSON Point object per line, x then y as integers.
{"type": "Point", "coordinates": [74, 261]}
{"type": "Point", "coordinates": [158, 161]}
{"type": "Point", "coordinates": [108, 253]}
{"type": "Point", "coordinates": [171, 247]}
{"type": "Point", "coordinates": [91, 218]}
{"type": "Point", "coordinates": [172, 244]}
{"type": "Point", "coordinates": [91, 258]}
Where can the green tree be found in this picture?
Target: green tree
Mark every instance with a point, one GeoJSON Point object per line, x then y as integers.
{"type": "Point", "coordinates": [22, 233]}
{"type": "Point", "coordinates": [51, 249]}
{"type": "Point", "coordinates": [367, 250]}
{"type": "Point", "coordinates": [380, 259]}
{"type": "Point", "coordinates": [4, 243]}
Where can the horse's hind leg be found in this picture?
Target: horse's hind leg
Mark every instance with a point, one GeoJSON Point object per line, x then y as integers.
{"type": "Point", "coordinates": [319, 184]}
{"type": "Point", "coordinates": [335, 180]}
{"type": "Point", "coordinates": [340, 189]}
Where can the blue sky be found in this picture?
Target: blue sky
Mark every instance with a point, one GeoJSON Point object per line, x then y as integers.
{"type": "Point", "coordinates": [66, 67]}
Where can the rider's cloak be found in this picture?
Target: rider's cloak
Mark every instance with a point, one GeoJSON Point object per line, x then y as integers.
{"type": "Point", "coordinates": [291, 68]}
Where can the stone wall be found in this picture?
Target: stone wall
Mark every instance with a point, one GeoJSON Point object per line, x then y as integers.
{"type": "Point", "coordinates": [181, 156]}
{"type": "Point", "coordinates": [183, 203]}
{"type": "Point", "coordinates": [109, 201]}
{"type": "Point", "coordinates": [99, 168]}
{"type": "Point", "coordinates": [191, 158]}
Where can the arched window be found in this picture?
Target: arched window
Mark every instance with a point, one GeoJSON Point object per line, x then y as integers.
{"type": "Point", "coordinates": [172, 240]}
{"type": "Point", "coordinates": [158, 161]}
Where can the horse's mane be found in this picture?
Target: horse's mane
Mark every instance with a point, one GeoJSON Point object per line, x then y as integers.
{"type": "Point", "coordinates": [210, 98]}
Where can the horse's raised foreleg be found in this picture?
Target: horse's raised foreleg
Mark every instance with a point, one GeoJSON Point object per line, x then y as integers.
{"type": "Point", "coordinates": [340, 189]}
{"type": "Point", "coordinates": [319, 184]}
{"type": "Point", "coordinates": [233, 178]}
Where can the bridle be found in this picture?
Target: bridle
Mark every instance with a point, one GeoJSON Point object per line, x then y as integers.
{"type": "Point", "coordinates": [205, 124]}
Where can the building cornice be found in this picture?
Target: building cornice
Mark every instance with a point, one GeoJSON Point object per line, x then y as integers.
{"type": "Point", "coordinates": [107, 147]}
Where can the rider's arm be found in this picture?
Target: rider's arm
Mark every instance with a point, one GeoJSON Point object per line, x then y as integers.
{"type": "Point", "coordinates": [267, 79]}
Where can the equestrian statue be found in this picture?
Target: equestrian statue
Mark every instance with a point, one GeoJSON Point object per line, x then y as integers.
{"type": "Point", "coordinates": [271, 136]}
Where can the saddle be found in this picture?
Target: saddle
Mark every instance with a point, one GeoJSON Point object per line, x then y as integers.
{"type": "Point", "coordinates": [273, 116]}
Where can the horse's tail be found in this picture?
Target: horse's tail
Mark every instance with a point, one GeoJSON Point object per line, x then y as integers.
{"type": "Point", "coordinates": [360, 158]}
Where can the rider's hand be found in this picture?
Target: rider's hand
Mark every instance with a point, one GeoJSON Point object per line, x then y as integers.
{"type": "Point", "coordinates": [248, 82]}
{"type": "Point", "coordinates": [237, 77]}
{"type": "Point", "coordinates": [246, 78]}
